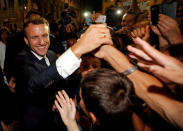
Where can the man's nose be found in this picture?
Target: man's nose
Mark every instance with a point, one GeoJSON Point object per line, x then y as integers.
{"type": "Point", "coordinates": [41, 41]}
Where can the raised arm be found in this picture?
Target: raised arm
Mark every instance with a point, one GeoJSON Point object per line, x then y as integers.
{"type": "Point", "coordinates": [147, 87]}
{"type": "Point", "coordinates": [67, 110]}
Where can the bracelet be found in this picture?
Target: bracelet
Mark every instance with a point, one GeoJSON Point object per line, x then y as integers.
{"type": "Point", "coordinates": [130, 70]}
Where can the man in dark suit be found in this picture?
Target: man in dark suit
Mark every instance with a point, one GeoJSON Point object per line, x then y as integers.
{"type": "Point", "coordinates": [38, 72]}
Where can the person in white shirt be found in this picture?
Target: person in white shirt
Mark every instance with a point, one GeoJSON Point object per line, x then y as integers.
{"type": "Point", "coordinates": [38, 71]}
{"type": "Point", "coordinates": [4, 33]}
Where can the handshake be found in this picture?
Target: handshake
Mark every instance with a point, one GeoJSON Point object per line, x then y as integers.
{"type": "Point", "coordinates": [94, 37]}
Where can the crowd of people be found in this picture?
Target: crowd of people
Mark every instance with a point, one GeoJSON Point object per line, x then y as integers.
{"type": "Point", "coordinates": [73, 76]}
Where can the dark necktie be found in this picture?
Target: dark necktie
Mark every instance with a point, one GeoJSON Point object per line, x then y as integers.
{"type": "Point", "coordinates": [43, 61]}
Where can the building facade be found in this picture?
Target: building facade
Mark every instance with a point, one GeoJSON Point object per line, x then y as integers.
{"type": "Point", "coordinates": [126, 4]}
{"type": "Point", "coordinates": [11, 12]}
{"type": "Point", "coordinates": [53, 7]}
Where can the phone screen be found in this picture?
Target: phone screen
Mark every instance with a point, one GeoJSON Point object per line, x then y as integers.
{"type": "Point", "coordinates": [101, 19]}
{"type": "Point", "coordinates": [154, 14]}
{"type": "Point", "coordinates": [88, 21]}
{"type": "Point", "coordinates": [168, 9]}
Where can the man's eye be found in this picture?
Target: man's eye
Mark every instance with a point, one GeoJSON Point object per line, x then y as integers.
{"type": "Point", "coordinates": [34, 37]}
{"type": "Point", "coordinates": [45, 35]}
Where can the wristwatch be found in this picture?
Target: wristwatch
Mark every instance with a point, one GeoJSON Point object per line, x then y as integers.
{"type": "Point", "coordinates": [130, 70]}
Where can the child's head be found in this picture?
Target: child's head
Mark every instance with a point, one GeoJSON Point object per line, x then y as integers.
{"type": "Point", "coordinates": [105, 97]}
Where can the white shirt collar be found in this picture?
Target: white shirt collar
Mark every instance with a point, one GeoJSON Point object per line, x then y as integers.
{"type": "Point", "coordinates": [40, 57]}
{"type": "Point", "coordinates": [36, 55]}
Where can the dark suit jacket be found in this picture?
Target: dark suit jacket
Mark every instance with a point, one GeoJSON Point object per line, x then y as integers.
{"type": "Point", "coordinates": [37, 85]}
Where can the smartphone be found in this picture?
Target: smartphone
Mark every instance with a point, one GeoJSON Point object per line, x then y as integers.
{"type": "Point", "coordinates": [101, 19]}
{"type": "Point", "coordinates": [88, 21]}
{"type": "Point", "coordinates": [168, 9]}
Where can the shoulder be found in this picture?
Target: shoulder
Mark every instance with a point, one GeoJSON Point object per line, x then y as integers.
{"type": "Point", "coordinates": [25, 56]}
{"type": "Point", "coordinates": [1, 44]}
{"type": "Point", "coordinates": [50, 52]}
{"type": "Point", "coordinates": [22, 53]}
{"type": "Point", "coordinates": [51, 55]}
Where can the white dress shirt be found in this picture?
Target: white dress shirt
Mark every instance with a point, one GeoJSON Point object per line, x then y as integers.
{"type": "Point", "coordinates": [66, 64]}
{"type": "Point", "coordinates": [2, 59]}
{"type": "Point", "coordinates": [2, 54]}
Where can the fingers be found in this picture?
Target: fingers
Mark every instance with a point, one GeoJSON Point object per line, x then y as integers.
{"type": "Point", "coordinates": [72, 104]}
{"type": "Point", "coordinates": [156, 55]}
{"type": "Point", "coordinates": [149, 16]}
{"type": "Point", "coordinates": [99, 30]}
{"type": "Point", "coordinates": [166, 23]}
{"type": "Point", "coordinates": [162, 26]}
{"type": "Point", "coordinates": [147, 28]}
{"type": "Point", "coordinates": [133, 34]}
{"type": "Point", "coordinates": [155, 69]}
{"type": "Point", "coordinates": [139, 32]}
{"type": "Point", "coordinates": [142, 32]}
{"type": "Point", "coordinates": [139, 53]}
{"type": "Point", "coordinates": [147, 33]}
{"type": "Point", "coordinates": [102, 51]}
{"type": "Point", "coordinates": [166, 19]}
{"type": "Point", "coordinates": [104, 35]}
{"type": "Point", "coordinates": [155, 29]}
{"type": "Point", "coordinates": [58, 106]}
{"type": "Point", "coordinates": [133, 56]}
{"type": "Point", "coordinates": [95, 36]}
{"type": "Point", "coordinates": [65, 96]}
{"type": "Point", "coordinates": [98, 25]}
{"type": "Point", "coordinates": [100, 34]}
{"type": "Point", "coordinates": [144, 66]}
{"type": "Point", "coordinates": [62, 99]}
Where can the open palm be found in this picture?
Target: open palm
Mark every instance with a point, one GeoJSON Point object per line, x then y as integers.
{"type": "Point", "coordinates": [66, 108]}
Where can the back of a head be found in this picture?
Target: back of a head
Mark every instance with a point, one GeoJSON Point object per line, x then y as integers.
{"type": "Point", "coordinates": [33, 13]}
{"type": "Point", "coordinates": [132, 12]}
{"type": "Point", "coordinates": [112, 19]}
{"type": "Point", "coordinates": [106, 93]}
{"type": "Point", "coordinates": [4, 29]}
{"type": "Point", "coordinates": [89, 62]}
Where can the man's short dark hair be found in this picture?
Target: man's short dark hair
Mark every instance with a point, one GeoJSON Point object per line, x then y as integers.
{"type": "Point", "coordinates": [36, 12]}
{"type": "Point", "coordinates": [131, 12]}
{"type": "Point", "coordinates": [4, 29]}
{"type": "Point", "coordinates": [35, 21]}
{"type": "Point", "coordinates": [107, 94]}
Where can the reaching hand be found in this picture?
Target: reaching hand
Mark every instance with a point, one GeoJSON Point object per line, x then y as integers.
{"type": "Point", "coordinates": [95, 36]}
{"type": "Point", "coordinates": [169, 28]}
{"type": "Point", "coordinates": [156, 62]}
{"type": "Point", "coordinates": [153, 27]}
{"type": "Point", "coordinates": [66, 108]}
{"type": "Point", "coordinates": [94, 16]}
{"type": "Point", "coordinates": [142, 32]}
{"type": "Point", "coordinates": [101, 52]}
{"type": "Point", "coordinates": [69, 28]}
{"type": "Point", "coordinates": [124, 30]}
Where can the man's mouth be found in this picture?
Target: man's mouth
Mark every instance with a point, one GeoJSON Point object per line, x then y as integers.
{"type": "Point", "coordinates": [41, 47]}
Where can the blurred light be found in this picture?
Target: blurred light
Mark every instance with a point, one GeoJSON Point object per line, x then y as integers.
{"type": "Point", "coordinates": [86, 14]}
{"type": "Point", "coordinates": [118, 12]}
{"type": "Point", "coordinates": [47, 28]}
{"type": "Point", "coordinates": [25, 7]}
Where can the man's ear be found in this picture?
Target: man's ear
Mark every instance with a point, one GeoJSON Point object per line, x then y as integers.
{"type": "Point", "coordinates": [93, 117]}
{"type": "Point", "coordinates": [26, 41]}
